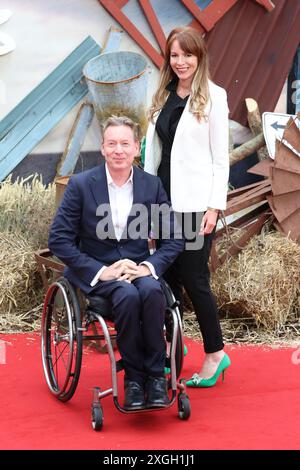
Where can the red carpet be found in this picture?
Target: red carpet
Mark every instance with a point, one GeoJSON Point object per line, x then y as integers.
{"type": "Point", "coordinates": [257, 407]}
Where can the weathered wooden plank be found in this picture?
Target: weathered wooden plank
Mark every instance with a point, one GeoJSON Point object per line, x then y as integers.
{"type": "Point", "coordinates": [28, 123]}
{"type": "Point", "coordinates": [243, 189]}
{"type": "Point", "coordinates": [76, 138]}
{"type": "Point", "coordinates": [247, 202]}
{"type": "Point", "coordinates": [122, 19]}
{"type": "Point", "coordinates": [154, 23]}
{"type": "Point", "coordinates": [244, 220]}
{"type": "Point", "coordinates": [211, 14]}
{"type": "Point", "coordinates": [269, 6]}
{"type": "Point", "coordinates": [251, 192]}
{"type": "Point", "coordinates": [113, 40]}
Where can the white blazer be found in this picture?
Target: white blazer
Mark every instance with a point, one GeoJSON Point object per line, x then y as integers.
{"type": "Point", "coordinates": [199, 156]}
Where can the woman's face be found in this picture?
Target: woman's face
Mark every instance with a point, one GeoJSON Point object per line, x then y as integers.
{"type": "Point", "coordinates": [182, 63]}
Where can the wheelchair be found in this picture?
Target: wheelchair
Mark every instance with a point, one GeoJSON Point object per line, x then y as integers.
{"type": "Point", "coordinates": [66, 320]}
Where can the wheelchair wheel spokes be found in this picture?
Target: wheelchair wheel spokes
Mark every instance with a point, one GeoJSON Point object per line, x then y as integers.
{"type": "Point", "coordinates": [61, 340]}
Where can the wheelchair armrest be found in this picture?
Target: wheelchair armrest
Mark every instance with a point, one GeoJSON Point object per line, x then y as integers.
{"type": "Point", "coordinates": [170, 298]}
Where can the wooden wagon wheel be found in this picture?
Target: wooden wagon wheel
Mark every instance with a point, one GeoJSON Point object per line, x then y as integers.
{"type": "Point", "coordinates": [285, 182]}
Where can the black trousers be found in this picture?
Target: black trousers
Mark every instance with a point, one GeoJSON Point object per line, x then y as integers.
{"type": "Point", "coordinates": [139, 313]}
{"type": "Point", "coordinates": [190, 270]}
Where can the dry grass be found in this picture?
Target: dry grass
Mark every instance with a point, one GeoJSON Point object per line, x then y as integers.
{"type": "Point", "coordinates": [26, 210]}
{"type": "Point", "coordinates": [258, 292]}
{"type": "Point", "coordinates": [261, 282]}
{"type": "Point", "coordinates": [244, 330]}
{"type": "Point", "coordinates": [20, 283]}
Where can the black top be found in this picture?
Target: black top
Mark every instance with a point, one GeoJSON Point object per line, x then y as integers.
{"type": "Point", "coordinates": [166, 126]}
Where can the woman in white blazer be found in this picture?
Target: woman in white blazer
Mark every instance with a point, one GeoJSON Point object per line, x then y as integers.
{"type": "Point", "coordinates": [187, 146]}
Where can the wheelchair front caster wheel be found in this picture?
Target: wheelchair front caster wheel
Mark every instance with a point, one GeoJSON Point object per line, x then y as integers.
{"type": "Point", "coordinates": [97, 417]}
{"type": "Point", "coordinates": [184, 407]}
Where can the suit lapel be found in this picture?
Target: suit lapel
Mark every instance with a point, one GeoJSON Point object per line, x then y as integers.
{"type": "Point", "coordinates": [98, 185]}
{"type": "Point", "coordinates": [99, 189]}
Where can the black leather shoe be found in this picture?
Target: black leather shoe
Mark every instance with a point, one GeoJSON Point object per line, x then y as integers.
{"type": "Point", "coordinates": [134, 396]}
{"type": "Point", "coordinates": [156, 392]}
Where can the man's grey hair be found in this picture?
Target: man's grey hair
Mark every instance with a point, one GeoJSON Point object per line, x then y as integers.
{"type": "Point", "coordinates": [122, 121]}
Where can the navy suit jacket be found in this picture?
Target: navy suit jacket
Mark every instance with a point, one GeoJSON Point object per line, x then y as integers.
{"type": "Point", "coordinates": [73, 235]}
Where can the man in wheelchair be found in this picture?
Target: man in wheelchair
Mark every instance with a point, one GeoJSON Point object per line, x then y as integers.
{"type": "Point", "coordinates": [100, 231]}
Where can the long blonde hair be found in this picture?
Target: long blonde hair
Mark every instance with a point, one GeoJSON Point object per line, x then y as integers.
{"type": "Point", "coordinates": [191, 42]}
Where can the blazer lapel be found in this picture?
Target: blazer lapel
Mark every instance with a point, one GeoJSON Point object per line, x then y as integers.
{"type": "Point", "coordinates": [98, 185]}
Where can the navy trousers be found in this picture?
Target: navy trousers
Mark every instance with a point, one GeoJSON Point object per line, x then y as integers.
{"type": "Point", "coordinates": [139, 311]}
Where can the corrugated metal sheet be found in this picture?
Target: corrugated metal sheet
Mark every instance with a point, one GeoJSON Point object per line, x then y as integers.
{"type": "Point", "coordinates": [251, 52]}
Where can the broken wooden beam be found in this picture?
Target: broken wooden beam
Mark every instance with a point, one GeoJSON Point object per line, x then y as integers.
{"type": "Point", "coordinates": [268, 4]}
{"type": "Point", "coordinates": [255, 124]}
{"type": "Point", "coordinates": [246, 149]}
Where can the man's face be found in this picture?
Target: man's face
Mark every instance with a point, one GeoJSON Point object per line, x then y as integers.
{"type": "Point", "coordinates": [119, 147]}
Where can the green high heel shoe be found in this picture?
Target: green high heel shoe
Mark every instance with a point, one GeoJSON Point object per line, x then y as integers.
{"type": "Point", "coordinates": [167, 370]}
{"type": "Point", "coordinates": [197, 381]}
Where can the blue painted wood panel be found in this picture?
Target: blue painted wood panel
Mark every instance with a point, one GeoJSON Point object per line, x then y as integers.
{"type": "Point", "coordinates": [113, 40]}
{"type": "Point", "coordinates": [171, 13]}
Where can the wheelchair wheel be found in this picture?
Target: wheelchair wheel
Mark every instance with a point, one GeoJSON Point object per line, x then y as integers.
{"type": "Point", "coordinates": [97, 417]}
{"type": "Point", "coordinates": [172, 311]}
{"type": "Point", "coordinates": [184, 407]}
{"type": "Point", "coordinates": [61, 339]}
{"type": "Point", "coordinates": [179, 356]}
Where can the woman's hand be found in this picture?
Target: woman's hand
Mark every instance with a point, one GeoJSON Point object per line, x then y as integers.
{"type": "Point", "coordinates": [209, 221]}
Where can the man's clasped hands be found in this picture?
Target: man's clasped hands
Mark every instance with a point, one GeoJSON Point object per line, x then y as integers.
{"type": "Point", "coordinates": [124, 270]}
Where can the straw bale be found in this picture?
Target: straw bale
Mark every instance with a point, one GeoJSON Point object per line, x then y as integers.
{"type": "Point", "coordinates": [27, 208]}
{"type": "Point", "coordinates": [20, 283]}
{"type": "Point", "coordinates": [26, 211]}
{"type": "Point", "coordinates": [261, 282]}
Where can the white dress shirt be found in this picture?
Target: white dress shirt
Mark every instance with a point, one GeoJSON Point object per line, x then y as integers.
{"type": "Point", "coordinates": [120, 199]}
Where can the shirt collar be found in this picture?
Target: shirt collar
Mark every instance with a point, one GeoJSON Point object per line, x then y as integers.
{"type": "Point", "coordinates": [110, 181]}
